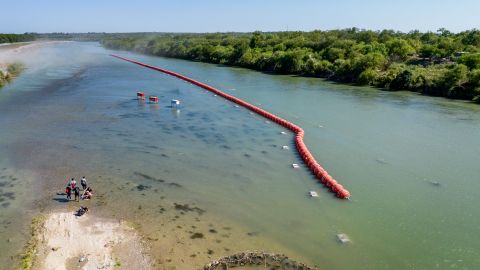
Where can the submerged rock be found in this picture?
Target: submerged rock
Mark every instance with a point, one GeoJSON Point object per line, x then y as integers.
{"type": "Point", "coordinates": [187, 208]}
{"type": "Point", "coordinates": [272, 261]}
{"type": "Point", "coordinates": [343, 238]}
{"type": "Point", "coordinates": [196, 235]}
{"type": "Point", "coordinates": [434, 183]}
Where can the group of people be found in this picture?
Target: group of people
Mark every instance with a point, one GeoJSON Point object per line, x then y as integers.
{"type": "Point", "coordinates": [72, 187]}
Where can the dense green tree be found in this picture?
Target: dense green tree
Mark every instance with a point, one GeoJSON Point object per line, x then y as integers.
{"type": "Point", "coordinates": [368, 77]}
{"type": "Point", "coordinates": [472, 38]}
{"type": "Point", "coordinates": [423, 62]}
{"type": "Point", "coordinates": [11, 38]}
{"type": "Point", "coordinates": [332, 54]}
{"type": "Point", "coordinates": [472, 61]}
{"type": "Point", "coordinates": [399, 49]}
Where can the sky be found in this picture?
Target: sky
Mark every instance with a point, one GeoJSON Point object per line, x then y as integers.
{"type": "Point", "coordinates": [19, 16]}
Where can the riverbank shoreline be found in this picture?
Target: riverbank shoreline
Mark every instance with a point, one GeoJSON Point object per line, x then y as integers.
{"type": "Point", "coordinates": [62, 240]}
{"type": "Point", "coordinates": [11, 62]}
{"type": "Point", "coordinates": [382, 62]}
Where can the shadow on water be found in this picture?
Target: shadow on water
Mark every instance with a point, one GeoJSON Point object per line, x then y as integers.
{"type": "Point", "coordinates": [61, 200]}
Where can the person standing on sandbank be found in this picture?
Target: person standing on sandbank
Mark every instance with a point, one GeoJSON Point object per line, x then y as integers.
{"type": "Point", "coordinates": [76, 191]}
{"type": "Point", "coordinates": [68, 190]}
{"type": "Point", "coordinates": [83, 182]}
{"type": "Point", "coordinates": [73, 183]}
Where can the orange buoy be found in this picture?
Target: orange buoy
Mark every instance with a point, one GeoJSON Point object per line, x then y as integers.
{"type": "Point", "coordinates": [343, 194]}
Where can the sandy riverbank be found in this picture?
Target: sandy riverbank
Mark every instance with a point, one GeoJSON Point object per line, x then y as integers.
{"type": "Point", "coordinates": [17, 54]}
{"type": "Point", "coordinates": [12, 52]}
{"type": "Point", "coordinates": [88, 242]}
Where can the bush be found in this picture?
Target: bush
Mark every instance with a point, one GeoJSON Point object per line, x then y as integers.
{"type": "Point", "coordinates": [368, 77]}
{"type": "Point", "coordinates": [472, 61]}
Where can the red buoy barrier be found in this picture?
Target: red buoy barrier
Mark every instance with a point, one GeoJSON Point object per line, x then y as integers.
{"type": "Point", "coordinates": [343, 194]}
{"type": "Point", "coordinates": [307, 157]}
{"type": "Point", "coordinates": [140, 95]}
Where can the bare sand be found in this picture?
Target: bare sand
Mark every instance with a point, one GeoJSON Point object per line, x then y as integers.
{"type": "Point", "coordinates": [13, 52]}
{"type": "Point", "coordinates": [88, 242]}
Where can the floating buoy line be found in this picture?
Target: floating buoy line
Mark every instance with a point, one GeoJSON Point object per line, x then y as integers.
{"type": "Point", "coordinates": [321, 174]}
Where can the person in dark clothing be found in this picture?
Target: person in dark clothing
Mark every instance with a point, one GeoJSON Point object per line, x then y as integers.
{"type": "Point", "coordinates": [76, 191]}
{"type": "Point", "coordinates": [68, 190]}
{"type": "Point", "coordinates": [83, 181]}
{"type": "Point", "coordinates": [81, 211]}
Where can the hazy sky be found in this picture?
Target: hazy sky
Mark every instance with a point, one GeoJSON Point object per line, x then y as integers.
{"type": "Point", "coordinates": [20, 16]}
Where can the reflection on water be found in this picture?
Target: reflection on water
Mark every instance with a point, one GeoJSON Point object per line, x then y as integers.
{"type": "Point", "coordinates": [211, 179]}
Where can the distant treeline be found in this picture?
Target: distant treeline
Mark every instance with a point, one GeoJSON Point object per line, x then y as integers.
{"type": "Point", "coordinates": [438, 63]}
{"type": "Point", "coordinates": [90, 36]}
{"type": "Point", "coordinates": [11, 38]}
{"type": "Point", "coordinates": [71, 36]}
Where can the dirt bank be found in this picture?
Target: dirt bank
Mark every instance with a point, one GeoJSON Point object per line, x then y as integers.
{"type": "Point", "coordinates": [88, 242]}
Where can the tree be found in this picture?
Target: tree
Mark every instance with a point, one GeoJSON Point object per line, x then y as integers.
{"type": "Point", "coordinates": [444, 32]}
{"type": "Point", "coordinates": [399, 49]}
{"type": "Point", "coordinates": [238, 50]}
{"type": "Point", "coordinates": [332, 54]}
{"type": "Point", "coordinates": [368, 77]}
{"type": "Point", "coordinates": [471, 37]}
{"type": "Point", "coordinates": [454, 80]}
{"type": "Point", "coordinates": [472, 61]}
{"type": "Point", "coordinates": [256, 39]}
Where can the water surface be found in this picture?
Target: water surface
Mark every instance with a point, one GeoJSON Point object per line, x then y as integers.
{"type": "Point", "coordinates": [211, 179]}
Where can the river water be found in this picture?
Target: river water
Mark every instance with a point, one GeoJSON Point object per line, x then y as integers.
{"type": "Point", "coordinates": [210, 179]}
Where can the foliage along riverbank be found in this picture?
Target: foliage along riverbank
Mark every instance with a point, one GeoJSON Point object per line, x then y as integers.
{"type": "Point", "coordinates": [10, 72]}
{"type": "Point", "coordinates": [12, 38]}
{"type": "Point", "coordinates": [438, 64]}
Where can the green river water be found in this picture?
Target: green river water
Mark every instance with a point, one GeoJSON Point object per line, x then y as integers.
{"type": "Point", "coordinates": [410, 162]}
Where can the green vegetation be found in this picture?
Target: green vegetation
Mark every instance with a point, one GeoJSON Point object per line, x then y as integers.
{"type": "Point", "coordinates": [11, 38]}
{"type": "Point", "coordinates": [12, 71]}
{"type": "Point", "coordinates": [28, 255]}
{"type": "Point", "coordinates": [440, 64]}
{"type": "Point", "coordinates": [118, 263]}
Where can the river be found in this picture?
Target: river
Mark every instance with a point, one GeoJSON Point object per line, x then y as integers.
{"type": "Point", "coordinates": [211, 179]}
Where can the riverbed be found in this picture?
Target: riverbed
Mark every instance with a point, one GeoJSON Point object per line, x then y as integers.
{"type": "Point", "coordinates": [210, 179]}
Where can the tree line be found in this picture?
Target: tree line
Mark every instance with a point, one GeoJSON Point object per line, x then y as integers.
{"type": "Point", "coordinates": [438, 63]}
{"type": "Point", "coordinates": [11, 38]}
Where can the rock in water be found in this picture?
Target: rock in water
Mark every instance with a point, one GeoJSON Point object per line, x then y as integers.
{"type": "Point", "coordinates": [343, 238]}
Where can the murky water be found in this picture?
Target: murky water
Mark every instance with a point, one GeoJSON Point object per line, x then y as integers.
{"type": "Point", "coordinates": [211, 179]}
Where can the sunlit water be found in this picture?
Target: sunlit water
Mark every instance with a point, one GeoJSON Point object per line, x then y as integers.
{"type": "Point", "coordinates": [410, 162]}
